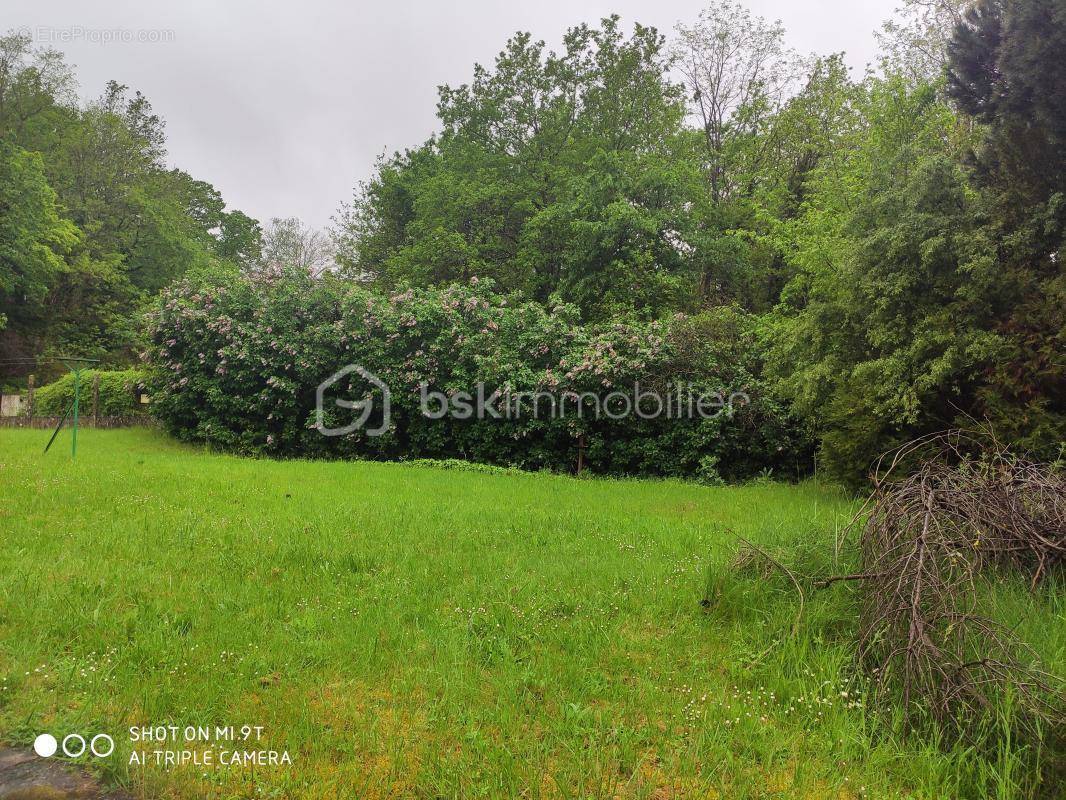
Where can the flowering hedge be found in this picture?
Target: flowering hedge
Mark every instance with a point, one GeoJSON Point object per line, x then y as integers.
{"type": "Point", "coordinates": [236, 361]}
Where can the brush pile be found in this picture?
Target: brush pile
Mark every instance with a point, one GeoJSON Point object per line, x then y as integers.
{"type": "Point", "coordinates": [941, 526]}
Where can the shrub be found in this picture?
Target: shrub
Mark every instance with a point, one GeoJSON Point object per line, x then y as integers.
{"type": "Point", "coordinates": [236, 362]}
{"type": "Point", "coordinates": [119, 390]}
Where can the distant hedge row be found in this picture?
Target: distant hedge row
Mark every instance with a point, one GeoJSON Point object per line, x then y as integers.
{"type": "Point", "coordinates": [236, 361]}
{"type": "Point", "coordinates": [119, 394]}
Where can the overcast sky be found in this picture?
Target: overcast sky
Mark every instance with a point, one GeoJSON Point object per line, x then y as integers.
{"type": "Point", "coordinates": [285, 106]}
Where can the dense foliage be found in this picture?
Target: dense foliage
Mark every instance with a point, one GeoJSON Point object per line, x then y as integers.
{"type": "Point", "coordinates": [565, 175]}
{"type": "Point", "coordinates": [33, 237]}
{"type": "Point", "coordinates": [239, 362]}
{"type": "Point", "coordinates": [885, 252]}
{"type": "Point", "coordinates": [931, 292]}
{"type": "Point", "coordinates": [900, 237]}
{"type": "Point", "coordinates": [118, 393]}
{"type": "Point", "coordinates": [92, 221]}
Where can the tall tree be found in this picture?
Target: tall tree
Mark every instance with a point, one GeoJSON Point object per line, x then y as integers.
{"type": "Point", "coordinates": [32, 82]}
{"type": "Point", "coordinates": [138, 223]}
{"type": "Point", "coordinates": [1006, 70]}
{"type": "Point", "coordinates": [563, 172]}
{"type": "Point", "coordinates": [738, 72]}
{"type": "Point", "coordinates": [914, 43]}
{"type": "Point", "coordinates": [887, 328]}
{"type": "Point", "coordinates": [34, 240]}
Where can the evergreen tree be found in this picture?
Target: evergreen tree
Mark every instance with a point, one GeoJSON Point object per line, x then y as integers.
{"type": "Point", "coordinates": [1006, 70]}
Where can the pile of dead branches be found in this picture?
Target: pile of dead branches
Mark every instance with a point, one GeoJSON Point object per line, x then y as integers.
{"type": "Point", "coordinates": [949, 516]}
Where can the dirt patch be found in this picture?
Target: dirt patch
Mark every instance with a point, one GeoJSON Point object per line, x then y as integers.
{"type": "Point", "coordinates": [26, 776]}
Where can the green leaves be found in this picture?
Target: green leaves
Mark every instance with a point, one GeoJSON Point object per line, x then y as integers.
{"type": "Point", "coordinates": [236, 361]}
{"type": "Point", "coordinates": [873, 336]}
{"type": "Point", "coordinates": [93, 222]}
{"type": "Point", "coordinates": [1005, 70]}
{"type": "Point", "coordinates": [555, 172]}
{"type": "Point", "coordinates": [33, 237]}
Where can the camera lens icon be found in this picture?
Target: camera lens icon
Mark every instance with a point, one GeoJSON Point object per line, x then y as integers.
{"type": "Point", "coordinates": [45, 745]}
{"type": "Point", "coordinates": [74, 745]}
{"type": "Point", "coordinates": [105, 741]}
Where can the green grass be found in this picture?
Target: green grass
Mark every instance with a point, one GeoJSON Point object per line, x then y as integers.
{"type": "Point", "coordinates": [416, 631]}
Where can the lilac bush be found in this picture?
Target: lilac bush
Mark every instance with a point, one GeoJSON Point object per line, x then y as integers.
{"type": "Point", "coordinates": [235, 361]}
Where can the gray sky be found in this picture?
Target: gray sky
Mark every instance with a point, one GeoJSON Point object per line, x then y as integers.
{"type": "Point", "coordinates": [284, 106]}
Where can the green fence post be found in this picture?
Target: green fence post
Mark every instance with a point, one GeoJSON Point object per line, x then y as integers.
{"type": "Point", "coordinates": [77, 394]}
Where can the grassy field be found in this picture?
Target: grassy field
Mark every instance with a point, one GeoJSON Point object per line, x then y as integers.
{"type": "Point", "coordinates": [412, 631]}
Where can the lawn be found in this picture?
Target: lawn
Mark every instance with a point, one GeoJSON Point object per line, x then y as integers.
{"type": "Point", "coordinates": [405, 630]}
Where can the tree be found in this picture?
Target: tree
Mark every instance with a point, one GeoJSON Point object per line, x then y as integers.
{"type": "Point", "coordinates": [137, 223]}
{"type": "Point", "coordinates": [1006, 70]}
{"type": "Point", "coordinates": [820, 118]}
{"type": "Point", "coordinates": [914, 43]}
{"type": "Point", "coordinates": [32, 81]}
{"type": "Point", "coordinates": [240, 239]}
{"type": "Point", "coordinates": [915, 306]}
{"type": "Point", "coordinates": [737, 72]}
{"type": "Point", "coordinates": [887, 328]}
{"type": "Point", "coordinates": [33, 238]}
{"type": "Point", "coordinates": [566, 174]}
{"type": "Point", "coordinates": [287, 242]}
